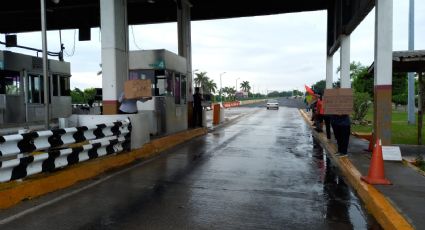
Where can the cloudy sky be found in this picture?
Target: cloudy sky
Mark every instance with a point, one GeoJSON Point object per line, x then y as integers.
{"type": "Point", "coordinates": [279, 52]}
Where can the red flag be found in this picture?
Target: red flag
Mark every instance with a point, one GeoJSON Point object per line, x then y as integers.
{"type": "Point", "coordinates": [309, 90]}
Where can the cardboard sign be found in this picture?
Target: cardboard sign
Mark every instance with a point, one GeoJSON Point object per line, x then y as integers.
{"type": "Point", "coordinates": [136, 89]}
{"type": "Point", "coordinates": [338, 101]}
{"type": "Point", "coordinates": [391, 153]}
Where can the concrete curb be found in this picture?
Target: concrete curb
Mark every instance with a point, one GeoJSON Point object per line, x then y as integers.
{"type": "Point", "coordinates": [380, 207]}
{"type": "Point", "coordinates": [13, 192]}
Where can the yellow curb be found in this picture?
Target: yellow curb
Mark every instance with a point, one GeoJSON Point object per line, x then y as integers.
{"type": "Point", "coordinates": [414, 167]}
{"type": "Point", "coordinates": [13, 192]}
{"type": "Point", "coordinates": [382, 209]}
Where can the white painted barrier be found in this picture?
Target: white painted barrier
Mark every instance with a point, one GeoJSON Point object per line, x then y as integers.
{"type": "Point", "coordinates": [18, 158]}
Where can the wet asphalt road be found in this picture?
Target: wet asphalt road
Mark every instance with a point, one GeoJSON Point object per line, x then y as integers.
{"type": "Point", "coordinates": [262, 172]}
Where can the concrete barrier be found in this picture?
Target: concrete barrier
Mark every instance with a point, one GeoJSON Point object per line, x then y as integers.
{"type": "Point", "coordinates": [13, 192]}
{"type": "Point", "coordinates": [20, 154]}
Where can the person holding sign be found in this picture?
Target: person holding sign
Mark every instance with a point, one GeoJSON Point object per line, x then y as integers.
{"type": "Point", "coordinates": [129, 106]}
{"type": "Point", "coordinates": [338, 105]}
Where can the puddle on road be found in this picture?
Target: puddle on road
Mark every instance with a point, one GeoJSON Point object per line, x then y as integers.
{"type": "Point", "coordinates": [343, 209]}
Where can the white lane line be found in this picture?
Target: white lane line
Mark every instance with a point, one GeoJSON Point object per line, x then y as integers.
{"type": "Point", "coordinates": [59, 198]}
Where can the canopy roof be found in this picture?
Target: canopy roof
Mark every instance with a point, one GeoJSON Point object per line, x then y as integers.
{"type": "Point", "coordinates": [406, 61]}
{"type": "Point", "coordinates": [23, 15]}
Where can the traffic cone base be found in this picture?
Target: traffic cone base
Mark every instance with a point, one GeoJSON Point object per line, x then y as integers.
{"type": "Point", "coordinates": [382, 181]}
{"type": "Point", "coordinates": [376, 168]}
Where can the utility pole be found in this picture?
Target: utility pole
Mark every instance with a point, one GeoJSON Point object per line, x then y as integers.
{"type": "Point", "coordinates": [221, 97]}
{"type": "Point", "coordinates": [45, 66]}
{"type": "Point", "coordinates": [411, 76]}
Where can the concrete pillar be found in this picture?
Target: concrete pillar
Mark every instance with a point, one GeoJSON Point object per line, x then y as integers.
{"type": "Point", "coordinates": [114, 31]}
{"type": "Point", "coordinates": [185, 41]}
{"type": "Point", "coordinates": [185, 49]}
{"type": "Point", "coordinates": [329, 72]}
{"type": "Point", "coordinates": [345, 61]}
{"type": "Point", "coordinates": [411, 118]}
{"type": "Point", "coordinates": [383, 70]}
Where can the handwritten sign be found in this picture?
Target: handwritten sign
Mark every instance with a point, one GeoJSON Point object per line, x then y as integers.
{"type": "Point", "coordinates": [391, 153]}
{"type": "Point", "coordinates": [338, 101]}
{"type": "Point", "coordinates": [136, 89]}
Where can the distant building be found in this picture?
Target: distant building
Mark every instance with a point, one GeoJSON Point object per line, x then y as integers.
{"type": "Point", "coordinates": [241, 94]}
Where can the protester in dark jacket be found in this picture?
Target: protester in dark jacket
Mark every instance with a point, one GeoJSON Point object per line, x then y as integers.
{"type": "Point", "coordinates": [197, 108]}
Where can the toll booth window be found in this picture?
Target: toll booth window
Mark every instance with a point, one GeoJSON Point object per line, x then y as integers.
{"type": "Point", "coordinates": [141, 74]}
{"type": "Point", "coordinates": [55, 85]}
{"type": "Point", "coordinates": [10, 83]}
{"type": "Point", "coordinates": [160, 84]}
{"type": "Point", "coordinates": [65, 86]}
{"type": "Point", "coordinates": [34, 90]}
{"type": "Point", "coordinates": [170, 83]}
{"type": "Point", "coordinates": [177, 88]}
{"type": "Point", "coordinates": [183, 89]}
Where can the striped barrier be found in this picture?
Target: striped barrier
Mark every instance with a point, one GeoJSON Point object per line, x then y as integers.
{"type": "Point", "coordinates": [28, 142]}
{"type": "Point", "coordinates": [231, 104]}
{"type": "Point", "coordinates": [103, 139]}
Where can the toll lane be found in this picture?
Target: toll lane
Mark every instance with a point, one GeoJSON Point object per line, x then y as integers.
{"type": "Point", "coordinates": [264, 171]}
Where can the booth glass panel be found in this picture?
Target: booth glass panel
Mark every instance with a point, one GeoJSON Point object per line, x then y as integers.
{"type": "Point", "coordinates": [65, 86]}
{"type": "Point", "coordinates": [55, 85]}
{"type": "Point", "coordinates": [170, 83]}
{"type": "Point", "coordinates": [10, 83]}
{"type": "Point", "coordinates": [183, 89]}
{"type": "Point", "coordinates": [34, 88]}
{"type": "Point", "coordinates": [177, 92]}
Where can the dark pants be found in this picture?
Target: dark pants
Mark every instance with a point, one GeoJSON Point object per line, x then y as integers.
{"type": "Point", "coordinates": [197, 117]}
{"type": "Point", "coordinates": [318, 121]}
{"type": "Point", "coordinates": [328, 126]}
{"type": "Point", "coordinates": [342, 136]}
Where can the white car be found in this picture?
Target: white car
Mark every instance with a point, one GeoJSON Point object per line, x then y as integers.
{"type": "Point", "coordinates": [272, 104]}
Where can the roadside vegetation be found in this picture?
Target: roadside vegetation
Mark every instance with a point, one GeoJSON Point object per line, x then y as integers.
{"type": "Point", "coordinates": [402, 132]}
{"type": "Point", "coordinates": [243, 92]}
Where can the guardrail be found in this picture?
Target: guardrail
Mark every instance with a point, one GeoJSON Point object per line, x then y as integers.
{"type": "Point", "coordinates": [26, 154]}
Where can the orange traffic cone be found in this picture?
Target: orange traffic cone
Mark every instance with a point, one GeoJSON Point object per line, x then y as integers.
{"type": "Point", "coordinates": [376, 168]}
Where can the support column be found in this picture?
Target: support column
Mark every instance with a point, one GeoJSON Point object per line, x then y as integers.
{"type": "Point", "coordinates": [114, 30]}
{"type": "Point", "coordinates": [185, 41]}
{"type": "Point", "coordinates": [185, 48]}
{"type": "Point", "coordinates": [383, 70]}
{"type": "Point", "coordinates": [411, 119]}
{"type": "Point", "coordinates": [345, 61]}
{"type": "Point", "coordinates": [329, 72]}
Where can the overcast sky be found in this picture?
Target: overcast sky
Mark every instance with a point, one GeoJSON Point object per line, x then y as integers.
{"type": "Point", "coordinates": [279, 52]}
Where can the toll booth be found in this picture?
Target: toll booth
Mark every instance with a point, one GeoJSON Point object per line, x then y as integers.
{"type": "Point", "coordinates": [22, 89]}
{"type": "Point", "coordinates": [167, 111]}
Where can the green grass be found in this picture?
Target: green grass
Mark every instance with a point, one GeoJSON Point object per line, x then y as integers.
{"type": "Point", "coordinates": [402, 133]}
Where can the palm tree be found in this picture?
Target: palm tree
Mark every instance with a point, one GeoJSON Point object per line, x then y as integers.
{"type": "Point", "coordinates": [232, 92]}
{"type": "Point", "coordinates": [226, 91]}
{"type": "Point", "coordinates": [209, 86]}
{"type": "Point", "coordinates": [200, 79]}
{"type": "Point", "coordinates": [245, 86]}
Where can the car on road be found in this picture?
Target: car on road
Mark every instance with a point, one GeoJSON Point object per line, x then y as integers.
{"type": "Point", "coordinates": [272, 104]}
